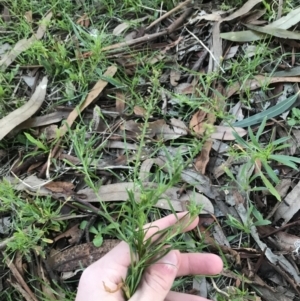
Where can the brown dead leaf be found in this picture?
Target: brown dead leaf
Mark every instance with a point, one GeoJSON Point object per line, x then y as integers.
{"type": "Point", "coordinates": [84, 21]}
{"type": "Point", "coordinates": [34, 166]}
{"type": "Point", "coordinates": [39, 121]}
{"type": "Point", "coordinates": [203, 158]}
{"type": "Point", "coordinates": [120, 102]}
{"type": "Point", "coordinates": [159, 128]}
{"type": "Point", "coordinates": [243, 10]}
{"type": "Point", "coordinates": [174, 77]}
{"type": "Point", "coordinates": [225, 132]}
{"type": "Point", "coordinates": [196, 123]}
{"type": "Point", "coordinates": [70, 158]}
{"type": "Point", "coordinates": [28, 16]}
{"type": "Point", "coordinates": [60, 187]}
{"type": "Point", "coordinates": [96, 90]}
{"type": "Point", "coordinates": [119, 192]}
{"type": "Point", "coordinates": [259, 81]}
{"type": "Point", "coordinates": [24, 44]}
{"type": "Point", "coordinates": [46, 286]}
{"type": "Point", "coordinates": [287, 242]}
{"type": "Point", "coordinates": [185, 88]}
{"type": "Point", "coordinates": [290, 206]}
{"type": "Point", "coordinates": [19, 277]}
{"type": "Point", "coordinates": [80, 256]}
{"type": "Point", "coordinates": [74, 233]}
{"type": "Point", "coordinates": [51, 132]}
{"type": "Point", "coordinates": [139, 111]}
{"type": "Point", "coordinates": [125, 25]}
{"type": "Point", "coordinates": [13, 119]}
{"type": "Point", "coordinates": [5, 16]}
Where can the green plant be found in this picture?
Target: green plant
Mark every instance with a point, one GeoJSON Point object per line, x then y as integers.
{"type": "Point", "coordinates": [31, 220]}
{"type": "Point", "coordinates": [260, 155]}
{"type": "Point", "coordinates": [99, 231]}
{"type": "Point", "coordinates": [246, 227]}
{"type": "Point", "coordinates": [295, 119]}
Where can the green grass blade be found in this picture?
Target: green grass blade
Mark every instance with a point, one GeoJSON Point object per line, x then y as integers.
{"type": "Point", "coordinates": [269, 113]}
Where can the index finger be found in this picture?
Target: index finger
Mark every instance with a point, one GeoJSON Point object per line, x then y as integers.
{"type": "Point", "coordinates": [121, 253]}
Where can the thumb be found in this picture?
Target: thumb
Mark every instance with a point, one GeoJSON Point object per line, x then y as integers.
{"type": "Point", "coordinates": [158, 279]}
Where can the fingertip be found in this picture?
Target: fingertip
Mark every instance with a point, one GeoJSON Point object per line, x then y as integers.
{"type": "Point", "coordinates": [216, 264]}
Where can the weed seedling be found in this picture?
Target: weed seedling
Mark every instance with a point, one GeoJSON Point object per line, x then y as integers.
{"type": "Point", "coordinates": [261, 155]}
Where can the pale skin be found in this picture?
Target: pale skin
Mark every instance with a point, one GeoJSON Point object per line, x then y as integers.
{"type": "Point", "coordinates": [101, 280]}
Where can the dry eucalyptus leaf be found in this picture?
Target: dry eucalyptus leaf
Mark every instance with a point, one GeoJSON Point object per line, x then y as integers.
{"type": "Point", "coordinates": [80, 256]}
{"type": "Point", "coordinates": [167, 200]}
{"type": "Point", "coordinates": [60, 187]}
{"type": "Point", "coordinates": [174, 77]}
{"type": "Point", "coordinates": [290, 206]}
{"type": "Point", "coordinates": [225, 132]}
{"type": "Point", "coordinates": [24, 44]}
{"type": "Point", "coordinates": [243, 10]}
{"type": "Point", "coordinates": [21, 114]}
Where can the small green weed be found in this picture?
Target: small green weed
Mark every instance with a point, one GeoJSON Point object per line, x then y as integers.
{"type": "Point", "coordinates": [295, 119]}
{"type": "Point", "coordinates": [246, 228]}
{"type": "Point", "coordinates": [31, 220]}
{"type": "Point", "coordinates": [263, 154]}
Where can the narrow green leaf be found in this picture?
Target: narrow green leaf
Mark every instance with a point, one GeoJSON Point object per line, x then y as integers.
{"type": "Point", "coordinates": [240, 140]}
{"type": "Point", "coordinates": [270, 187]}
{"type": "Point", "coordinates": [284, 157]}
{"type": "Point", "coordinates": [270, 172]}
{"type": "Point", "coordinates": [269, 113]}
{"type": "Point", "coordinates": [286, 160]}
{"type": "Point", "coordinates": [262, 223]}
{"type": "Point", "coordinates": [261, 128]}
{"type": "Point", "coordinates": [253, 139]}
{"type": "Point", "coordinates": [280, 141]}
{"type": "Point", "coordinates": [93, 230]}
{"type": "Point", "coordinates": [36, 142]}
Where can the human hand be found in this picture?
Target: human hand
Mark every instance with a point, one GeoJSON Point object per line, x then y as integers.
{"type": "Point", "coordinates": [111, 269]}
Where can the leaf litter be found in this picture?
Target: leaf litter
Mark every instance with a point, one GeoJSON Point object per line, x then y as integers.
{"type": "Point", "coordinates": [204, 100]}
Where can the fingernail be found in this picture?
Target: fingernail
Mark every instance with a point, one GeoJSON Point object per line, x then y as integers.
{"type": "Point", "coordinates": [170, 258]}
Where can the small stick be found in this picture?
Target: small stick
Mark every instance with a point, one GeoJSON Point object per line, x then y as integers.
{"type": "Point", "coordinates": [132, 42]}
{"type": "Point", "coordinates": [167, 14]}
{"type": "Point", "coordinates": [18, 276]}
{"type": "Point", "coordinates": [203, 45]}
{"type": "Point", "coordinates": [179, 21]}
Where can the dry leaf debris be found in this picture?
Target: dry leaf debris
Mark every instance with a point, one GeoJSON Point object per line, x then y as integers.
{"type": "Point", "coordinates": [180, 106]}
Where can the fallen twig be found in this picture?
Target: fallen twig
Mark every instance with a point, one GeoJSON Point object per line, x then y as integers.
{"type": "Point", "coordinates": [167, 14]}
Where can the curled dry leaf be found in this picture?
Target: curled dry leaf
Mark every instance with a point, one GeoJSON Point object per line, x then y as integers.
{"type": "Point", "coordinates": [123, 26]}
{"type": "Point", "coordinates": [24, 44]}
{"type": "Point", "coordinates": [74, 233]}
{"type": "Point", "coordinates": [84, 21]}
{"type": "Point", "coordinates": [159, 128]}
{"type": "Point", "coordinates": [259, 81]}
{"type": "Point", "coordinates": [93, 94]}
{"type": "Point", "coordinates": [120, 102]}
{"type": "Point", "coordinates": [174, 77]}
{"type": "Point", "coordinates": [243, 10]}
{"type": "Point", "coordinates": [287, 242]}
{"type": "Point", "coordinates": [167, 200]}
{"type": "Point", "coordinates": [273, 258]}
{"type": "Point", "coordinates": [80, 256]}
{"type": "Point", "coordinates": [203, 158]}
{"type": "Point", "coordinates": [290, 206]}
{"type": "Point", "coordinates": [139, 111]}
{"type": "Point", "coordinates": [28, 16]}
{"type": "Point", "coordinates": [10, 121]}
{"type": "Point", "coordinates": [196, 123]}
{"type": "Point", "coordinates": [225, 132]}
{"type": "Point", "coordinates": [60, 187]}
